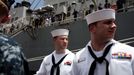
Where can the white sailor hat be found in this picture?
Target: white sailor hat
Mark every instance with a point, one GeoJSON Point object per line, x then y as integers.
{"type": "Point", "coordinates": [59, 32]}
{"type": "Point", "coordinates": [100, 15]}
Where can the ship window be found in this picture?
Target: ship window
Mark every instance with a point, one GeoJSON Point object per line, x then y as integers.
{"type": "Point", "coordinates": [66, 3]}
{"type": "Point", "coordinates": [130, 2]}
{"type": "Point", "coordinates": [82, 1]}
{"type": "Point", "coordinates": [62, 3]}
{"type": "Point", "coordinates": [12, 19]}
{"type": "Point", "coordinates": [16, 18]}
{"type": "Point", "coordinates": [79, 1]}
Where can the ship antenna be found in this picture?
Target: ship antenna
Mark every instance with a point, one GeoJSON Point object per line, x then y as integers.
{"type": "Point", "coordinates": [37, 4]}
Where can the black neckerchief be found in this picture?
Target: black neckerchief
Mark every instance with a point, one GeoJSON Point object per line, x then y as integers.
{"type": "Point", "coordinates": [56, 65]}
{"type": "Point", "coordinates": [99, 60]}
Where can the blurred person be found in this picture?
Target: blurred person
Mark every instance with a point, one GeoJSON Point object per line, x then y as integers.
{"type": "Point", "coordinates": [120, 5]}
{"type": "Point", "coordinates": [12, 60]}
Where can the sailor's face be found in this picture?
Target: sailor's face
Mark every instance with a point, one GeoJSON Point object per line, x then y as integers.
{"type": "Point", "coordinates": [105, 29]}
{"type": "Point", "coordinates": [61, 42]}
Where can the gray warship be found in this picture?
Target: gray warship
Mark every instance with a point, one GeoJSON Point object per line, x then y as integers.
{"type": "Point", "coordinates": [34, 35]}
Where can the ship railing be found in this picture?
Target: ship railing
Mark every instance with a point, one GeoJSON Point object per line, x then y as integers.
{"type": "Point", "coordinates": [14, 23]}
{"type": "Point", "coordinates": [126, 9]}
{"type": "Point", "coordinates": [15, 27]}
{"type": "Point", "coordinates": [125, 41]}
{"type": "Point", "coordinates": [62, 22]}
{"type": "Point", "coordinates": [41, 57]}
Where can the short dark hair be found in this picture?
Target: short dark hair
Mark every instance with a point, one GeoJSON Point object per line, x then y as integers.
{"type": "Point", "coordinates": [92, 24]}
{"type": "Point", "coordinates": [3, 8]}
{"type": "Point", "coordinates": [55, 37]}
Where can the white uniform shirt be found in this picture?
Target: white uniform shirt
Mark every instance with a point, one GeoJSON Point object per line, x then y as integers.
{"type": "Point", "coordinates": [66, 66]}
{"type": "Point", "coordinates": [120, 58]}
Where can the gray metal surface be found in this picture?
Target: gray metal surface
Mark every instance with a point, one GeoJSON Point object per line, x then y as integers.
{"type": "Point", "coordinates": [36, 49]}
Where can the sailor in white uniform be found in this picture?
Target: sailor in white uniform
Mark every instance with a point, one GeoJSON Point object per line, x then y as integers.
{"type": "Point", "coordinates": [61, 61]}
{"type": "Point", "coordinates": [103, 55]}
